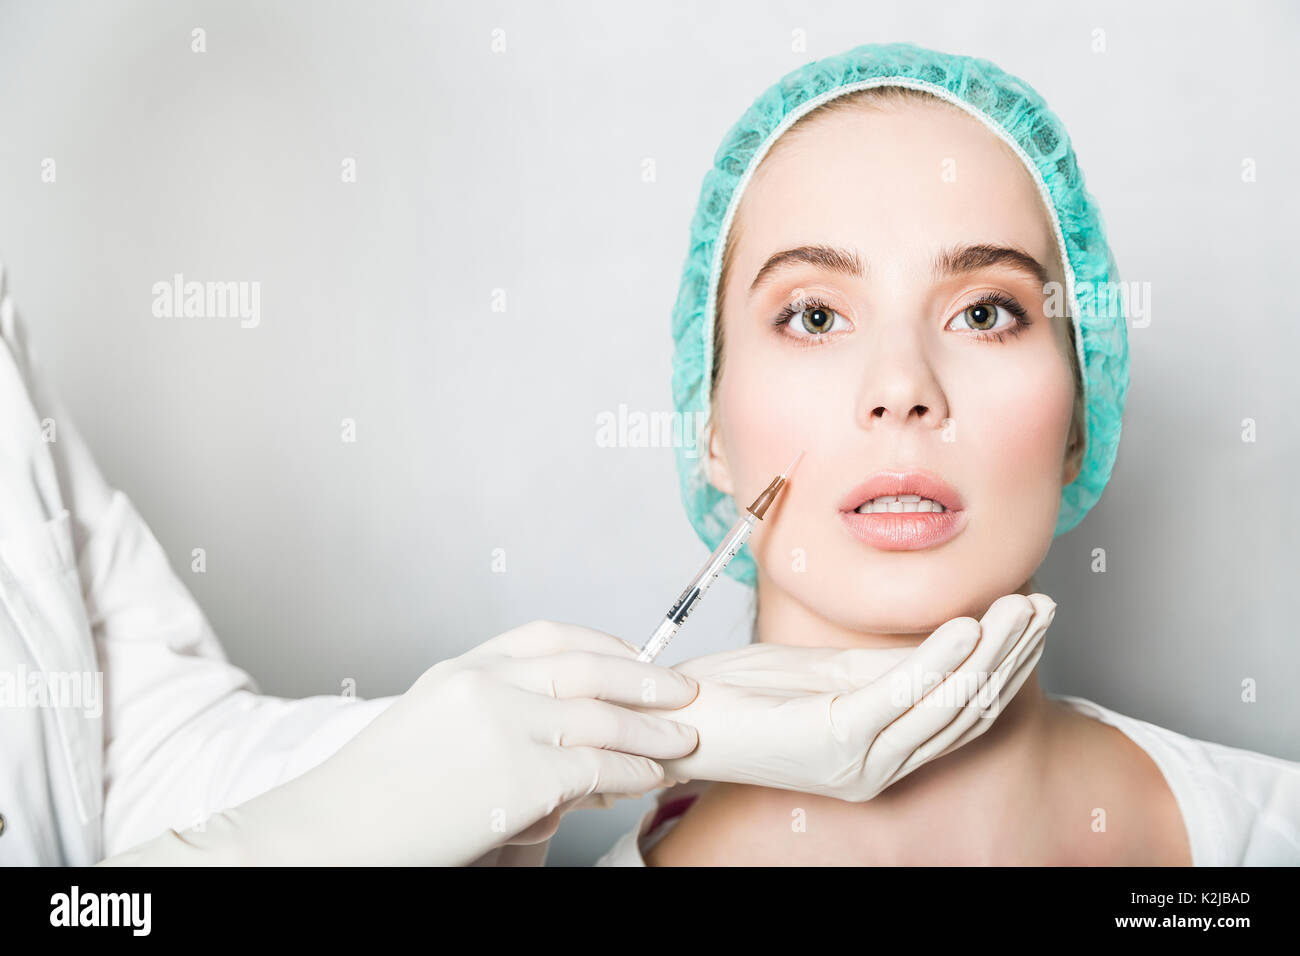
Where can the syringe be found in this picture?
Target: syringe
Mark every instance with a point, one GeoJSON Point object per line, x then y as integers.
{"type": "Point", "coordinates": [720, 558]}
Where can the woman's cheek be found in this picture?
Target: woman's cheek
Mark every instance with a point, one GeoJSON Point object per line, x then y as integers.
{"type": "Point", "coordinates": [1016, 444]}
{"type": "Point", "coordinates": [767, 420]}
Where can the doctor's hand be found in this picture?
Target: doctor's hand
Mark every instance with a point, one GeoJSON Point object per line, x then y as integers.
{"type": "Point", "coordinates": [849, 723]}
{"type": "Point", "coordinates": [486, 749]}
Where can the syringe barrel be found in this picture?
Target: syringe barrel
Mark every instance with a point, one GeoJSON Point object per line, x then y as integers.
{"type": "Point", "coordinates": [703, 580]}
{"type": "Point", "coordinates": [658, 640]}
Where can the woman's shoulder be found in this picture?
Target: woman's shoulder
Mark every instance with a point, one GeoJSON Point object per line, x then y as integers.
{"type": "Point", "coordinates": [1241, 807]}
{"type": "Point", "coordinates": [653, 825]}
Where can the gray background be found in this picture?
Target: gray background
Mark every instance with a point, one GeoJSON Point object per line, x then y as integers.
{"type": "Point", "coordinates": [522, 171]}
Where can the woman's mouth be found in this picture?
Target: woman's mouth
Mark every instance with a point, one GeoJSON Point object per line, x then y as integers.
{"type": "Point", "coordinates": [899, 504]}
{"type": "Point", "coordinates": [903, 511]}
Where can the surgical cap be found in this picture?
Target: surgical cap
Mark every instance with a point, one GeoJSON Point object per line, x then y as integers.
{"type": "Point", "coordinates": [1017, 115]}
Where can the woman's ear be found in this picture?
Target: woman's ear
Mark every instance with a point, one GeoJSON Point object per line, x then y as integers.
{"type": "Point", "coordinates": [1073, 455]}
{"type": "Point", "coordinates": [715, 461]}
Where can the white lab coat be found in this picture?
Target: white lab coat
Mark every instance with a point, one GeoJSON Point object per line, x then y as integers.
{"type": "Point", "coordinates": [85, 588]}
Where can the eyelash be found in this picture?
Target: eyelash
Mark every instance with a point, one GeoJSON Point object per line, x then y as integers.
{"type": "Point", "coordinates": [1000, 299]}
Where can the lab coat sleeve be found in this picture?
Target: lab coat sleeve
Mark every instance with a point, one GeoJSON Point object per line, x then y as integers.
{"type": "Point", "coordinates": [185, 731]}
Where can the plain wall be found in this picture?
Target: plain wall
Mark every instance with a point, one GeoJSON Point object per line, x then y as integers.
{"type": "Point", "coordinates": [522, 171]}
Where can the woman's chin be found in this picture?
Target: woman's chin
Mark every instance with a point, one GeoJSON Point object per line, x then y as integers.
{"type": "Point", "coordinates": [898, 608]}
{"type": "Point", "coordinates": [899, 595]}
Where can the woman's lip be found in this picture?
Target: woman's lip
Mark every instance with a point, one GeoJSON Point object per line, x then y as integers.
{"type": "Point", "coordinates": [906, 530]}
{"type": "Point", "coordinates": [913, 482]}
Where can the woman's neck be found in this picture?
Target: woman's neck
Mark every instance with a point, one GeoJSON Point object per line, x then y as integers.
{"type": "Point", "coordinates": [981, 801]}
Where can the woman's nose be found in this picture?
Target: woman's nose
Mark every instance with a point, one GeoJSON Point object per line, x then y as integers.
{"type": "Point", "coordinates": [900, 389]}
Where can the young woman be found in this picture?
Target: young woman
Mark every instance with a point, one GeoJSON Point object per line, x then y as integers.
{"type": "Point", "coordinates": [895, 267]}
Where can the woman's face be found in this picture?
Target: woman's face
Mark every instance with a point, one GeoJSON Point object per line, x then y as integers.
{"type": "Point", "coordinates": [908, 366]}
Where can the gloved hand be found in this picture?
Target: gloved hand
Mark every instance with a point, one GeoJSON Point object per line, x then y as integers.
{"type": "Point", "coordinates": [849, 723]}
{"type": "Point", "coordinates": [485, 749]}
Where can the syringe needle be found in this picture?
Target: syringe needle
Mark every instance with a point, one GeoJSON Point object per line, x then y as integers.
{"type": "Point", "coordinates": [722, 555]}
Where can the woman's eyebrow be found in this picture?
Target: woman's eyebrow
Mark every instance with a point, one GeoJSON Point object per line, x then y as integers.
{"type": "Point", "coordinates": [957, 260]}
{"type": "Point", "coordinates": [844, 261]}
{"type": "Point", "coordinates": [963, 259]}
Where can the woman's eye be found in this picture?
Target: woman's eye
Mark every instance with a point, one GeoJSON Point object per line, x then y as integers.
{"type": "Point", "coordinates": [985, 316]}
{"type": "Point", "coordinates": [816, 320]}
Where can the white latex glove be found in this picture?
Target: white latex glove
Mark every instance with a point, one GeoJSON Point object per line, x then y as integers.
{"type": "Point", "coordinates": [849, 723]}
{"type": "Point", "coordinates": [486, 749]}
